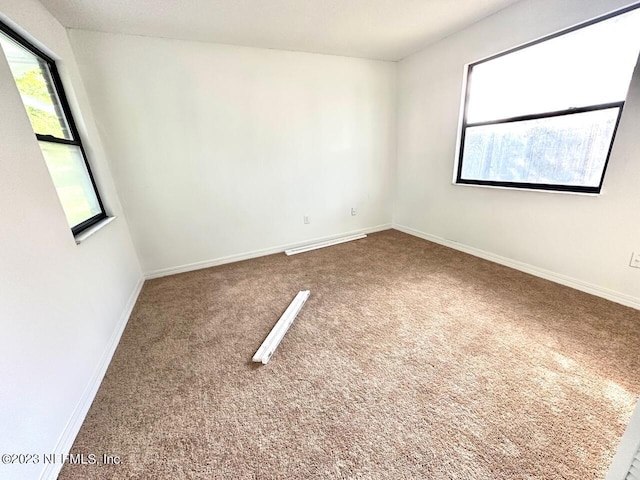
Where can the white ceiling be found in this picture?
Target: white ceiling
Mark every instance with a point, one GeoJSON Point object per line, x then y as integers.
{"type": "Point", "coordinates": [376, 29]}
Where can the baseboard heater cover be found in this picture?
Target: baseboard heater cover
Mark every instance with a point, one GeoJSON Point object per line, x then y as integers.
{"type": "Point", "coordinates": [268, 347]}
{"type": "Point", "coordinates": [326, 243]}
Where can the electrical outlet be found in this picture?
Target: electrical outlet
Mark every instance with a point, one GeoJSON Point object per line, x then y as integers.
{"type": "Point", "coordinates": [353, 211]}
{"type": "Point", "coordinates": [635, 260]}
{"type": "Point", "coordinates": [306, 219]}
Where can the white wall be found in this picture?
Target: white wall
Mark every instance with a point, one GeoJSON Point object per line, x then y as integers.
{"type": "Point", "coordinates": [220, 150]}
{"type": "Point", "coordinates": [586, 238]}
{"type": "Point", "coordinates": [59, 303]}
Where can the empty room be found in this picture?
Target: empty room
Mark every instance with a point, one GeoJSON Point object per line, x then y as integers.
{"type": "Point", "coordinates": [273, 239]}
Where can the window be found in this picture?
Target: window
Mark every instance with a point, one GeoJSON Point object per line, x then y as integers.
{"type": "Point", "coordinates": [43, 97]}
{"type": "Point", "coordinates": [544, 115]}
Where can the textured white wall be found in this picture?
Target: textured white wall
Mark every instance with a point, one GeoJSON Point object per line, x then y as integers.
{"type": "Point", "coordinates": [220, 150]}
{"type": "Point", "coordinates": [587, 238]}
{"type": "Point", "coordinates": [59, 303]}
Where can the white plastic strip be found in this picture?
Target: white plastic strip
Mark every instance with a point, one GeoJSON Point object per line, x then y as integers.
{"type": "Point", "coordinates": [265, 352]}
{"type": "Point", "coordinates": [326, 243]}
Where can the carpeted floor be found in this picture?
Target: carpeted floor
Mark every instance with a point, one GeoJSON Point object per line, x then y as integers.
{"type": "Point", "coordinates": [409, 360]}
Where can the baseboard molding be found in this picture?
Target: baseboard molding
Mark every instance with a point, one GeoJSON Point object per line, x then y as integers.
{"type": "Point", "coordinates": [255, 254]}
{"type": "Point", "coordinates": [590, 288]}
{"type": "Point", "coordinates": [327, 243]}
{"type": "Point", "coordinates": [68, 436]}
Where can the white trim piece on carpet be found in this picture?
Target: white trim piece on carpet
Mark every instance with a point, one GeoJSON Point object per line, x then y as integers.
{"type": "Point", "coordinates": [326, 243]}
{"type": "Point", "coordinates": [268, 347]}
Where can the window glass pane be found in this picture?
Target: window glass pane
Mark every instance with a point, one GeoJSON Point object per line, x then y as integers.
{"type": "Point", "coordinates": [69, 173]}
{"type": "Point", "coordinates": [564, 150]}
{"type": "Point", "coordinates": [590, 66]}
{"type": "Point", "coordinates": [36, 89]}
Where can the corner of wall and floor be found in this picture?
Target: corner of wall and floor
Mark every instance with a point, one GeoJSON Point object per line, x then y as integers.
{"type": "Point", "coordinates": [257, 253]}
{"type": "Point", "coordinates": [63, 306]}
{"type": "Point", "coordinates": [584, 242]}
{"type": "Point", "coordinates": [593, 289]}
{"type": "Point", "coordinates": [68, 435]}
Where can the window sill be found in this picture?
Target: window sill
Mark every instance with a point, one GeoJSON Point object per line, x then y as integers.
{"type": "Point", "coordinates": [81, 237]}
{"type": "Point", "coordinates": [522, 189]}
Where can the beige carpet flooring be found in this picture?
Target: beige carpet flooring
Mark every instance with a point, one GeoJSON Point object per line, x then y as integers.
{"type": "Point", "coordinates": [409, 360]}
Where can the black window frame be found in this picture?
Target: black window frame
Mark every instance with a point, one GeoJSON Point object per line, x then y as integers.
{"type": "Point", "coordinates": [538, 186]}
{"type": "Point", "coordinates": [47, 63]}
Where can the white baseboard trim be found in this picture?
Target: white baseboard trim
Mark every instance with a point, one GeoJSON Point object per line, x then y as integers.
{"type": "Point", "coordinates": [596, 290]}
{"type": "Point", "coordinates": [163, 272]}
{"type": "Point", "coordinates": [68, 436]}
{"type": "Point", "coordinates": [325, 244]}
